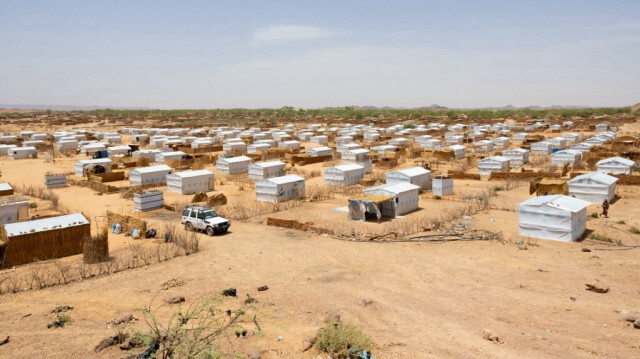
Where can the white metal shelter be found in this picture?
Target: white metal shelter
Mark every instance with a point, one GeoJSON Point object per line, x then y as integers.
{"type": "Point", "coordinates": [405, 197]}
{"type": "Point", "coordinates": [190, 182]}
{"type": "Point", "coordinates": [81, 165]}
{"type": "Point", "coordinates": [516, 156]}
{"type": "Point", "coordinates": [233, 165]}
{"type": "Point", "coordinates": [442, 185]}
{"type": "Point", "coordinates": [493, 164]}
{"type": "Point", "coordinates": [264, 170]}
{"type": "Point", "coordinates": [416, 175]}
{"type": "Point", "coordinates": [280, 189]}
{"type": "Point", "coordinates": [565, 156]}
{"type": "Point", "coordinates": [343, 175]}
{"type": "Point", "coordinates": [19, 153]}
{"type": "Point", "coordinates": [152, 175]}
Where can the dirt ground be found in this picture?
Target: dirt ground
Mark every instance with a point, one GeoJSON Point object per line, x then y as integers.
{"type": "Point", "coordinates": [427, 300]}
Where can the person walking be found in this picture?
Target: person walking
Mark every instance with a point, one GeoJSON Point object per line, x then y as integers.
{"type": "Point", "coordinates": [605, 208]}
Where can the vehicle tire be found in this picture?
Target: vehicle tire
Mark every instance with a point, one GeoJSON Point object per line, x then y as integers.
{"type": "Point", "coordinates": [210, 231]}
{"type": "Point", "coordinates": [224, 230]}
{"type": "Point", "coordinates": [188, 226]}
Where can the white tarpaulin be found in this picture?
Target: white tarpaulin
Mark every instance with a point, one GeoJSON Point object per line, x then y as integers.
{"type": "Point", "coordinates": [558, 217]}
{"type": "Point", "coordinates": [593, 187]}
{"type": "Point", "coordinates": [615, 165]}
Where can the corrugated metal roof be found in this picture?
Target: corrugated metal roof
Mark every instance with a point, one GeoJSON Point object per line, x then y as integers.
{"type": "Point", "coordinates": [350, 167]}
{"type": "Point", "coordinates": [284, 179]}
{"type": "Point", "coordinates": [194, 173]}
{"type": "Point", "coordinates": [269, 164]}
{"type": "Point", "coordinates": [41, 225]}
{"type": "Point", "coordinates": [151, 169]}
{"type": "Point", "coordinates": [413, 171]}
{"type": "Point", "coordinates": [236, 159]}
{"type": "Point", "coordinates": [399, 187]}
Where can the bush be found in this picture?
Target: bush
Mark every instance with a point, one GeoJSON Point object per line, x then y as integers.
{"type": "Point", "coordinates": [498, 188]}
{"type": "Point", "coordinates": [621, 222]}
{"type": "Point", "coordinates": [338, 339]}
{"type": "Point", "coordinates": [594, 215]}
{"type": "Point", "coordinates": [634, 230]}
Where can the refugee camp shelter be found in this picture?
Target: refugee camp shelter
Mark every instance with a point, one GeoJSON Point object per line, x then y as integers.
{"type": "Point", "coordinates": [319, 151]}
{"type": "Point", "coordinates": [264, 170]}
{"type": "Point", "coordinates": [615, 165]}
{"type": "Point", "coordinates": [170, 156]}
{"type": "Point", "coordinates": [119, 150]}
{"type": "Point", "coordinates": [593, 187]}
{"type": "Point", "coordinates": [148, 154]}
{"type": "Point", "coordinates": [190, 182]}
{"type": "Point", "coordinates": [5, 189]}
{"type": "Point", "coordinates": [343, 175]}
{"type": "Point", "coordinates": [415, 175]}
{"type": "Point", "coordinates": [67, 144]}
{"type": "Point", "coordinates": [97, 165]}
{"type": "Point", "coordinates": [233, 165]}
{"type": "Point", "coordinates": [541, 148]}
{"type": "Point", "coordinates": [280, 189]}
{"type": "Point", "coordinates": [458, 151]}
{"type": "Point", "coordinates": [565, 156]}
{"type": "Point", "coordinates": [516, 156]}
{"type": "Point", "coordinates": [42, 239]}
{"type": "Point", "coordinates": [19, 153]}
{"type": "Point", "coordinates": [482, 146]}
{"type": "Point", "coordinates": [152, 175]}
{"type": "Point", "coordinates": [556, 217]}
{"type": "Point", "coordinates": [493, 164]}
{"type": "Point", "coordinates": [405, 197]}
{"type": "Point", "coordinates": [13, 208]}
{"type": "Point", "coordinates": [442, 185]}
{"type": "Point", "coordinates": [370, 206]}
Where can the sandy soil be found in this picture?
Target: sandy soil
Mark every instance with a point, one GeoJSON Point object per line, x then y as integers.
{"type": "Point", "coordinates": [428, 300]}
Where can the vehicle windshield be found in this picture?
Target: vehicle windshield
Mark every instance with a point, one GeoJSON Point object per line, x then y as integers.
{"type": "Point", "coordinates": [209, 214]}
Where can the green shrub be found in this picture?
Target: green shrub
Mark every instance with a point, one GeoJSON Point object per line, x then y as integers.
{"type": "Point", "coordinates": [634, 230]}
{"type": "Point", "coordinates": [621, 222]}
{"type": "Point", "coordinates": [338, 338]}
{"type": "Point", "coordinates": [498, 188]}
{"type": "Point", "coordinates": [594, 215]}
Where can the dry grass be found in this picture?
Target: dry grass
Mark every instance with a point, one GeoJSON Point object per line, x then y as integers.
{"type": "Point", "coordinates": [57, 272]}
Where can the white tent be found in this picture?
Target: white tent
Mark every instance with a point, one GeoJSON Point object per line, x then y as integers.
{"type": "Point", "coordinates": [264, 170]}
{"type": "Point", "coordinates": [359, 156]}
{"type": "Point", "coordinates": [593, 187]}
{"type": "Point", "coordinates": [405, 197]}
{"type": "Point", "coordinates": [153, 175]}
{"type": "Point", "coordinates": [615, 165]}
{"type": "Point", "coordinates": [189, 182]}
{"type": "Point", "coordinates": [416, 175]}
{"type": "Point", "coordinates": [343, 175]}
{"type": "Point", "coordinates": [556, 217]}
{"type": "Point", "coordinates": [493, 164]}
{"type": "Point", "coordinates": [280, 189]}
{"type": "Point", "coordinates": [516, 156]}
{"type": "Point", "coordinates": [118, 150]}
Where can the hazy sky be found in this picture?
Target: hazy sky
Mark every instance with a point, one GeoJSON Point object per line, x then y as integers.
{"type": "Point", "coordinates": [222, 54]}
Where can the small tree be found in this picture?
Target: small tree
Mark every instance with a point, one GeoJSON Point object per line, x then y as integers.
{"type": "Point", "coordinates": [189, 332]}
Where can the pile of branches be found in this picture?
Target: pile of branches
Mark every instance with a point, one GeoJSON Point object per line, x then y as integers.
{"type": "Point", "coordinates": [452, 235]}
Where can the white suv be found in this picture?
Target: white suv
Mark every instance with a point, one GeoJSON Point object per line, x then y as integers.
{"type": "Point", "coordinates": [204, 218]}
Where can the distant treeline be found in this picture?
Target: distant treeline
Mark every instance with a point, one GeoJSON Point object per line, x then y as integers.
{"type": "Point", "coordinates": [345, 113]}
